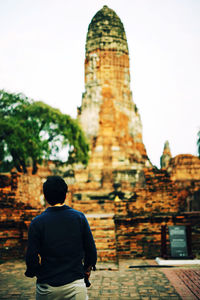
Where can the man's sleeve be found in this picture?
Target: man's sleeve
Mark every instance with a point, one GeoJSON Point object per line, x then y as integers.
{"type": "Point", "coordinates": [89, 246]}
{"type": "Point", "coordinates": [32, 257]}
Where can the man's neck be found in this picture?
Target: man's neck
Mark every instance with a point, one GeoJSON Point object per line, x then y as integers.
{"type": "Point", "coordinates": [58, 204]}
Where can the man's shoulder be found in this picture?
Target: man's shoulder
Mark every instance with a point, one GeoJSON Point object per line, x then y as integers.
{"type": "Point", "coordinates": [38, 218]}
{"type": "Point", "coordinates": [76, 212]}
{"type": "Point", "coordinates": [78, 215]}
{"type": "Point", "coordinates": [47, 214]}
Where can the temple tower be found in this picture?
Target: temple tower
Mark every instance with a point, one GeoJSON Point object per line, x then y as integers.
{"type": "Point", "coordinates": [108, 114]}
{"type": "Point", "coordinates": [166, 156]}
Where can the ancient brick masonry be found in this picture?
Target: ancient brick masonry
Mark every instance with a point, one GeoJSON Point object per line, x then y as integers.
{"type": "Point", "coordinates": [157, 201]}
{"type": "Point", "coordinates": [120, 178]}
{"type": "Point", "coordinates": [126, 221]}
{"type": "Point", "coordinates": [112, 124]}
{"type": "Point", "coordinates": [108, 114]}
{"type": "Point", "coordinates": [20, 201]}
{"type": "Point", "coordinates": [125, 198]}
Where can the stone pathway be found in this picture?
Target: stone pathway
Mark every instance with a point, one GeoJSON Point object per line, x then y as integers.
{"type": "Point", "coordinates": [111, 282]}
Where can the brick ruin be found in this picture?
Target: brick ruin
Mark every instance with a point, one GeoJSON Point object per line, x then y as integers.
{"type": "Point", "coordinates": [126, 199]}
{"type": "Point", "coordinates": [21, 199]}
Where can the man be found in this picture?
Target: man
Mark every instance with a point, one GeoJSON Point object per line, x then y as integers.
{"type": "Point", "coordinates": [61, 249]}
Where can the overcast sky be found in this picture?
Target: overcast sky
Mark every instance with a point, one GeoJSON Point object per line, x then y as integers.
{"type": "Point", "coordinates": [42, 50]}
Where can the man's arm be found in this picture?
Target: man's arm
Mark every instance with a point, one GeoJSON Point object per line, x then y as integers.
{"type": "Point", "coordinates": [89, 247]}
{"type": "Point", "coordinates": [32, 254]}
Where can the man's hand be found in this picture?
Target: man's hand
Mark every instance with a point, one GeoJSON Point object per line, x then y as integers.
{"type": "Point", "coordinates": [39, 259]}
{"type": "Point", "coordinates": [88, 271]}
{"type": "Point", "coordinates": [87, 276]}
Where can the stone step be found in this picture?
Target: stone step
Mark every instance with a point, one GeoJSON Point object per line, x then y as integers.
{"type": "Point", "coordinates": [107, 256]}
{"type": "Point", "coordinates": [103, 230]}
{"type": "Point", "coordinates": [92, 203]}
{"type": "Point", "coordinates": [92, 206]}
{"type": "Point", "coordinates": [99, 234]}
{"type": "Point", "coordinates": [105, 245]}
{"type": "Point", "coordinates": [105, 223]}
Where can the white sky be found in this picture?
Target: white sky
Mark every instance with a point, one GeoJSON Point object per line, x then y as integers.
{"type": "Point", "coordinates": [42, 50]}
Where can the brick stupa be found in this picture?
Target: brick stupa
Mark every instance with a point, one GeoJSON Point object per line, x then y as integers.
{"type": "Point", "coordinates": [108, 115]}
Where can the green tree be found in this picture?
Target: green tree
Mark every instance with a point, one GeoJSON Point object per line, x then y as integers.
{"type": "Point", "coordinates": [35, 131]}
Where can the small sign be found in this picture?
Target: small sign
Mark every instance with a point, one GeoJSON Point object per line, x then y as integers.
{"type": "Point", "coordinates": [178, 241]}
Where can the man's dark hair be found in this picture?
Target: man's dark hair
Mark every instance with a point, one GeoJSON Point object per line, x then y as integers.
{"type": "Point", "coordinates": [55, 190]}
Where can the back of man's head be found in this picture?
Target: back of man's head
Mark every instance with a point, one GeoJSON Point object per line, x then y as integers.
{"type": "Point", "coordinates": [55, 189]}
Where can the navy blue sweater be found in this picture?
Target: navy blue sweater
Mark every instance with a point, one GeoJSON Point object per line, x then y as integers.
{"type": "Point", "coordinates": [63, 239]}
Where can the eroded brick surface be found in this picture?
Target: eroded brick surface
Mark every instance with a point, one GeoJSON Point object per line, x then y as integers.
{"type": "Point", "coordinates": [20, 201]}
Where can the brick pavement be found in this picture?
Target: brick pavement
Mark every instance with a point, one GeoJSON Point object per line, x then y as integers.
{"type": "Point", "coordinates": [117, 283]}
{"type": "Point", "coordinates": [185, 281]}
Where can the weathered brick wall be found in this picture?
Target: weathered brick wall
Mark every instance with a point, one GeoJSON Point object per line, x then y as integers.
{"type": "Point", "coordinates": [156, 201]}
{"type": "Point", "coordinates": [139, 210]}
{"type": "Point", "coordinates": [13, 231]}
{"type": "Point", "coordinates": [140, 236]}
{"type": "Point", "coordinates": [20, 202]}
{"type": "Point", "coordinates": [184, 167]}
{"type": "Point", "coordinates": [155, 193]}
{"type": "Point", "coordinates": [29, 190]}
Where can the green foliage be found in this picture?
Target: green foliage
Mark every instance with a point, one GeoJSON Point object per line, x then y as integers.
{"type": "Point", "coordinates": [34, 131]}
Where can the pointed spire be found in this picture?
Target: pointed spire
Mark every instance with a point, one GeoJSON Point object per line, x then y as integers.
{"type": "Point", "coordinates": [106, 32]}
{"type": "Point", "coordinates": [166, 156]}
